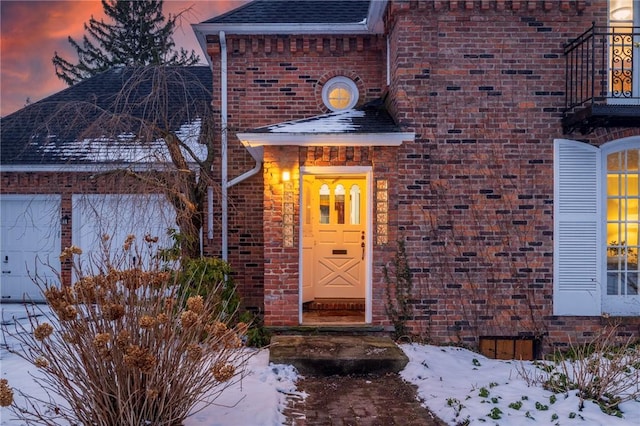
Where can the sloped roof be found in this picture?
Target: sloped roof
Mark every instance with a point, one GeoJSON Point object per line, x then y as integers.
{"type": "Point", "coordinates": [296, 12]}
{"type": "Point", "coordinates": [369, 125]}
{"type": "Point", "coordinates": [365, 120]}
{"type": "Point", "coordinates": [297, 17]}
{"type": "Point", "coordinates": [110, 118]}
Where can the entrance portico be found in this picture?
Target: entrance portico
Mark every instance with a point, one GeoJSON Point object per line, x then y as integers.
{"type": "Point", "coordinates": [320, 215]}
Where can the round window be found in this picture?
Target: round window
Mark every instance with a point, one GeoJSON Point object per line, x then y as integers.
{"type": "Point", "coordinates": [340, 93]}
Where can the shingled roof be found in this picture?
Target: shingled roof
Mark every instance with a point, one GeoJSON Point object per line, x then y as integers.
{"type": "Point", "coordinates": [370, 124]}
{"type": "Point", "coordinates": [296, 12]}
{"type": "Point", "coordinates": [369, 119]}
{"type": "Point", "coordinates": [297, 17]}
{"type": "Point", "coordinates": [110, 119]}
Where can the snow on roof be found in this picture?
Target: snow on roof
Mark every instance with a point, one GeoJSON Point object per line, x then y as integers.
{"type": "Point", "coordinates": [126, 149]}
{"type": "Point", "coordinates": [337, 122]}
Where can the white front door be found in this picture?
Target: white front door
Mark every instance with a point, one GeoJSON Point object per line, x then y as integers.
{"type": "Point", "coordinates": [30, 244]}
{"type": "Point", "coordinates": [334, 241]}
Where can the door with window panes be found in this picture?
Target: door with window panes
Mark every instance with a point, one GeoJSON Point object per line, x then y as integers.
{"type": "Point", "coordinates": [334, 237]}
{"type": "Point", "coordinates": [624, 51]}
{"type": "Point", "coordinates": [623, 199]}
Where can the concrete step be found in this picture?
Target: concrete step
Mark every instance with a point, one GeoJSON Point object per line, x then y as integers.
{"type": "Point", "coordinates": [330, 355]}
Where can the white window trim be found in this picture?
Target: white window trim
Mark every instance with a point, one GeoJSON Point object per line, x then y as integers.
{"type": "Point", "coordinates": [614, 305]}
{"type": "Point", "coordinates": [340, 80]}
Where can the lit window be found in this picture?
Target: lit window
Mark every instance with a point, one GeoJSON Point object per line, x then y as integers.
{"type": "Point", "coordinates": [623, 63]}
{"type": "Point", "coordinates": [325, 195]}
{"type": "Point", "coordinates": [340, 93]}
{"type": "Point", "coordinates": [339, 203]}
{"type": "Point", "coordinates": [622, 223]}
{"type": "Point", "coordinates": [596, 243]}
{"type": "Point", "coordinates": [355, 205]}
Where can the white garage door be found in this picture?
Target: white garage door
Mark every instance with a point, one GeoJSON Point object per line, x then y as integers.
{"type": "Point", "coordinates": [118, 216]}
{"type": "Point", "coordinates": [30, 244]}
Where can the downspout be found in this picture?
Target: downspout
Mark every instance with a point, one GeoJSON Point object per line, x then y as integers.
{"type": "Point", "coordinates": [255, 152]}
{"type": "Point", "coordinates": [223, 136]}
{"type": "Point", "coordinates": [388, 62]}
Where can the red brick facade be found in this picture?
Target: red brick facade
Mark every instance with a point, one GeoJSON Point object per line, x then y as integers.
{"type": "Point", "coordinates": [482, 85]}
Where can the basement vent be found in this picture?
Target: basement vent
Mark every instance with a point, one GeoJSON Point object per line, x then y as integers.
{"type": "Point", "coordinates": [520, 348]}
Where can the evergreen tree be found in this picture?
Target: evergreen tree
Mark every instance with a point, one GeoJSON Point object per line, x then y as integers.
{"type": "Point", "coordinates": [139, 35]}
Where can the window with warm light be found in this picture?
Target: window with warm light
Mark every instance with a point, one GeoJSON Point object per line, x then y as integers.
{"type": "Point", "coordinates": [355, 205]}
{"type": "Point", "coordinates": [346, 204]}
{"type": "Point", "coordinates": [339, 94]}
{"type": "Point", "coordinates": [622, 222]}
{"type": "Point", "coordinates": [596, 225]}
{"type": "Point", "coordinates": [325, 200]}
{"type": "Point", "coordinates": [624, 60]}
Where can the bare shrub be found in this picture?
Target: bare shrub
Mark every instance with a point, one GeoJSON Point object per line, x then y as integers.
{"type": "Point", "coordinates": [605, 370]}
{"type": "Point", "coordinates": [399, 287]}
{"type": "Point", "coordinates": [124, 344]}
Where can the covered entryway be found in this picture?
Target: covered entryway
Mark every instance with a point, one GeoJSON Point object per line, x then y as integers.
{"type": "Point", "coordinates": [318, 215]}
{"type": "Point", "coordinates": [335, 245]}
{"type": "Point", "coordinates": [30, 238]}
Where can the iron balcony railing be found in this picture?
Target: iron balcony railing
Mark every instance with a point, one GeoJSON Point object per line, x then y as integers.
{"type": "Point", "coordinates": [603, 68]}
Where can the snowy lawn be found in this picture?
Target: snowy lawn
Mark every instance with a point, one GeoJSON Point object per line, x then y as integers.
{"type": "Point", "coordinates": [457, 384]}
{"type": "Point", "coordinates": [454, 383]}
{"type": "Point", "coordinates": [258, 399]}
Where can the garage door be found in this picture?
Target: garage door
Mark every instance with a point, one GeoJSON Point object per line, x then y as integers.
{"type": "Point", "coordinates": [30, 244]}
{"type": "Point", "coordinates": [118, 216]}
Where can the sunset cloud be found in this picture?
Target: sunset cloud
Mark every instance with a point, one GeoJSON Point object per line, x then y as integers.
{"type": "Point", "coordinates": [32, 31]}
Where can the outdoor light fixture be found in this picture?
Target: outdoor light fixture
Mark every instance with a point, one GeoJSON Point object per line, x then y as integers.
{"type": "Point", "coordinates": [286, 175]}
{"type": "Point", "coordinates": [64, 220]}
{"type": "Point", "coordinates": [621, 10]}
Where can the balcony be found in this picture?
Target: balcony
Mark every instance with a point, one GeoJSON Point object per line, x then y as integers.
{"type": "Point", "coordinates": [602, 79]}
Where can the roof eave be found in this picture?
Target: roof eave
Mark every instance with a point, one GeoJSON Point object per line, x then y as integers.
{"type": "Point", "coordinates": [255, 29]}
{"type": "Point", "coordinates": [325, 139]}
{"type": "Point", "coordinates": [88, 167]}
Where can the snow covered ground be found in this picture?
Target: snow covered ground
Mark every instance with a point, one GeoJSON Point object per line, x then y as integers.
{"type": "Point", "coordinates": [451, 380]}
{"type": "Point", "coordinates": [258, 400]}
{"type": "Point", "coordinates": [456, 384]}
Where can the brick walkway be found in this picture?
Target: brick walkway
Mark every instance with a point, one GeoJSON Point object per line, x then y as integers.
{"type": "Point", "coordinates": [374, 400]}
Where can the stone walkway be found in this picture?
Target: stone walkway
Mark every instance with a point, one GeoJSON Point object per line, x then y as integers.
{"type": "Point", "coordinates": [371, 400]}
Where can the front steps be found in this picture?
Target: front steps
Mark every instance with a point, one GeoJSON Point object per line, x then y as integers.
{"type": "Point", "coordinates": [326, 355]}
{"type": "Point", "coordinates": [335, 305]}
{"type": "Point", "coordinates": [332, 317]}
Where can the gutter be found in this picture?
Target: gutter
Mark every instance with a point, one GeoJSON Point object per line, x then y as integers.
{"type": "Point", "coordinates": [223, 138]}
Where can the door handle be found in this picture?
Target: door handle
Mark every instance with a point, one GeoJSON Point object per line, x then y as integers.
{"type": "Point", "coordinates": [6, 272]}
{"type": "Point", "coordinates": [362, 244]}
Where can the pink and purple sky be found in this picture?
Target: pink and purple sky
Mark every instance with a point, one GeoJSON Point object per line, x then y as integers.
{"type": "Point", "coordinates": [32, 31]}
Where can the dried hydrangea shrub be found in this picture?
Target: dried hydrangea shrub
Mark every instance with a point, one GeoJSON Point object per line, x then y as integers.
{"type": "Point", "coordinates": [126, 345]}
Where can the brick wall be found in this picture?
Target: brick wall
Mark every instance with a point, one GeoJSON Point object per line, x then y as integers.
{"type": "Point", "coordinates": [482, 85]}
{"type": "Point", "coordinates": [272, 79]}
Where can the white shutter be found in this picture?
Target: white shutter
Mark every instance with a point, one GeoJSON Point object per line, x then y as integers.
{"type": "Point", "coordinates": [577, 251]}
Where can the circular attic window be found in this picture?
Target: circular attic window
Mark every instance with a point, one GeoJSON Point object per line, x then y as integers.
{"type": "Point", "coordinates": [339, 94]}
